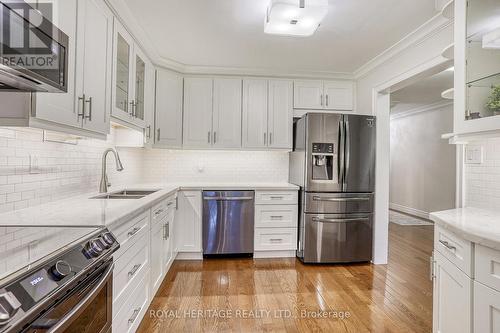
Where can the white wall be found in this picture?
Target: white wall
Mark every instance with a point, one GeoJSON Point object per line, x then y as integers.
{"type": "Point", "coordinates": [215, 166]}
{"type": "Point", "coordinates": [482, 181]}
{"type": "Point", "coordinates": [65, 170]}
{"type": "Point", "coordinates": [423, 166]}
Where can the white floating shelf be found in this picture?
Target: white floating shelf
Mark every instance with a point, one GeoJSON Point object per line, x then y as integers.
{"type": "Point", "coordinates": [449, 52]}
{"type": "Point", "coordinates": [448, 10]}
{"type": "Point", "coordinates": [448, 94]}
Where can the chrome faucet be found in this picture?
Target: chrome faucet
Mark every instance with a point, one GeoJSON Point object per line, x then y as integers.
{"type": "Point", "coordinates": [103, 187]}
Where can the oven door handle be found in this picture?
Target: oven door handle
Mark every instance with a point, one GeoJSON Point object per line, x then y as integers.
{"type": "Point", "coordinates": [84, 302]}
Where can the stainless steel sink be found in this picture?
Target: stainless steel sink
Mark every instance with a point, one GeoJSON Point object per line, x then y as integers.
{"type": "Point", "coordinates": [126, 194]}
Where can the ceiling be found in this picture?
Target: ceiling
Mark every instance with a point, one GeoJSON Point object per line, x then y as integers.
{"type": "Point", "coordinates": [230, 33]}
{"type": "Point", "coordinates": [424, 92]}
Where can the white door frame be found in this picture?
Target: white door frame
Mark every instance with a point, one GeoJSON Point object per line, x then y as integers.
{"type": "Point", "coordinates": [381, 105]}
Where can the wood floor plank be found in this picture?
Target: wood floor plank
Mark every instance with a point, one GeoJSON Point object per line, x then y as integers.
{"type": "Point", "coordinates": [284, 295]}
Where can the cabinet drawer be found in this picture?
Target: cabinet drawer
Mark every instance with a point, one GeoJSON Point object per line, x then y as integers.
{"type": "Point", "coordinates": [128, 233]}
{"type": "Point", "coordinates": [129, 316]}
{"type": "Point", "coordinates": [487, 266]}
{"type": "Point", "coordinates": [160, 210]}
{"type": "Point", "coordinates": [275, 239]}
{"type": "Point", "coordinates": [276, 197]}
{"type": "Point", "coordinates": [129, 269]}
{"type": "Point", "coordinates": [454, 248]}
{"type": "Point", "coordinates": [276, 216]}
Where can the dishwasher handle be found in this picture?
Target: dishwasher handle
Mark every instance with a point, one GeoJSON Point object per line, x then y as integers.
{"type": "Point", "coordinates": [227, 198]}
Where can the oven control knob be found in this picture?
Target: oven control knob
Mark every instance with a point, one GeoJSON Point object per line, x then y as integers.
{"type": "Point", "coordinates": [94, 247]}
{"type": "Point", "coordinates": [9, 305]}
{"type": "Point", "coordinates": [60, 270]}
{"type": "Point", "coordinates": [108, 239]}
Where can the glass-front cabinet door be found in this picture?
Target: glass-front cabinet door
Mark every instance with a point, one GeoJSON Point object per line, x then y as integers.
{"type": "Point", "coordinates": [482, 59]}
{"type": "Point", "coordinates": [140, 79]}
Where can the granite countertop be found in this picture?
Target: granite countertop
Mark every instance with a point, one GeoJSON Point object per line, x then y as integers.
{"type": "Point", "coordinates": [477, 225]}
{"type": "Point", "coordinates": [82, 211]}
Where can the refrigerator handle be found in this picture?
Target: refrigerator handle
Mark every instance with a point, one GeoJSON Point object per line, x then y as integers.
{"type": "Point", "coordinates": [347, 152]}
{"type": "Point", "coordinates": [341, 150]}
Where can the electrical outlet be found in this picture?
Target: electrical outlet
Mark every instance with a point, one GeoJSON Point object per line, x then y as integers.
{"type": "Point", "coordinates": [34, 164]}
{"type": "Point", "coordinates": [474, 155]}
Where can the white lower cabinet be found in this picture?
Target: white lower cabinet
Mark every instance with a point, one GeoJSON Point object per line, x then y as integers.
{"type": "Point", "coordinates": [188, 232]}
{"type": "Point", "coordinates": [129, 317]}
{"type": "Point", "coordinates": [466, 285]}
{"type": "Point", "coordinates": [275, 224]}
{"type": "Point", "coordinates": [451, 298]}
{"type": "Point", "coordinates": [486, 309]}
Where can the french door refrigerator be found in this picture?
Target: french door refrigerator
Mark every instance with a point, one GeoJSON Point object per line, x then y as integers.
{"type": "Point", "coordinates": [333, 162]}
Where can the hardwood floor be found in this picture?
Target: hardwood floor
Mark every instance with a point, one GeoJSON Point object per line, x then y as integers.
{"type": "Point", "coordinates": [386, 298]}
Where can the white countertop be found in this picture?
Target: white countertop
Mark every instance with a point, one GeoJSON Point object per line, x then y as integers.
{"type": "Point", "coordinates": [477, 225]}
{"type": "Point", "coordinates": [83, 211]}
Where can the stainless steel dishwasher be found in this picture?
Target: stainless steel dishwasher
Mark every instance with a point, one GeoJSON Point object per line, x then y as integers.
{"type": "Point", "coordinates": [228, 222]}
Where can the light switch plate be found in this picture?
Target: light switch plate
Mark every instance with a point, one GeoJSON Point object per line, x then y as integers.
{"type": "Point", "coordinates": [474, 155]}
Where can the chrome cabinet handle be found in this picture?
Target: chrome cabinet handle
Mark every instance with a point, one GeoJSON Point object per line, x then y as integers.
{"type": "Point", "coordinates": [89, 117]}
{"type": "Point", "coordinates": [132, 112]}
{"type": "Point", "coordinates": [158, 212]}
{"type": "Point", "coordinates": [321, 99]}
{"type": "Point", "coordinates": [166, 231]}
{"type": "Point", "coordinates": [276, 217]}
{"type": "Point", "coordinates": [265, 138]}
{"type": "Point", "coordinates": [83, 107]}
{"type": "Point", "coordinates": [215, 137]}
{"type": "Point", "coordinates": [158, 134]}
{"type": "Point", "coordinates": [209, 136]}
{"type": "Point", "coordinates": [276, 198]}
{"type": "Point", "coordinates": [270, 138]}
{"type": "Point", "coordinates": [133, 231]}
{"type": "Point", "coordinates": [447, 245]}
{"type": "Point", "coordinates": [326, 100]}
{"type": "Point", "coordinates": [276, 239]}
{"type": "Point", "coordinates": [149, 132]}
{"type": "Point", "coordinates": [315, 198]}
{"type": "Point", "coordinates": [134, 270]}
{"type": "Point", "coordinates": [134, 315]}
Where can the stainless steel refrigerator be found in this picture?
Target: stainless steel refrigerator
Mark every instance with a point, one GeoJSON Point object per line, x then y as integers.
{"type": "Point", "coordinates": [333, 162]}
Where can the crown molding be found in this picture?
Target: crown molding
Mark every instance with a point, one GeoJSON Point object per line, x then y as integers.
{"type": "Point", "coordinates": [421, 109]}
{"type": "Point", "coordinates": [416, 37]}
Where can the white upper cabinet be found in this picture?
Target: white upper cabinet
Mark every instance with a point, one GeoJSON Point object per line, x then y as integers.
{"type": "Point", "coordinates": [149, 104]}
{"type": "Point", "coordinates": [62, 108]}
{"type": "Point", "coordinates": [198, 94]}
{"type": "Point", "coordinates": [226, 124]}
{"type": "Point", "coordinates": [96, 38]}
{"type": "Point", "coordinates": [308, 94]}
{"type": "Point", "coordinates": [267, 114]}
{"type": "Point", "coordinates": [324, 95]}
{"type": "Point", "coordinates": [280, 116]}
{"type": "Point", "coordinates": [169, 90]}
{"type": "Point", "coordinates": [255, 105]}
{"type": "Point", "coordinates": [129, 79]}
{"type": "Point", "coordinates": [339, 95]}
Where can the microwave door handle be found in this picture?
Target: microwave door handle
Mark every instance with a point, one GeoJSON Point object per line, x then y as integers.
{"type": "Point", "coordinates": [80, 307]}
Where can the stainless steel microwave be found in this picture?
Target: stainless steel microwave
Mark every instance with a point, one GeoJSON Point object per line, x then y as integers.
{"type": "Point", "coordinates": [33, 51]}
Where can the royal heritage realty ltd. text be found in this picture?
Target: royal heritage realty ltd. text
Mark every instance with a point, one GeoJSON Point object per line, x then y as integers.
{"type": "Point", "coordinates": [246, 314]}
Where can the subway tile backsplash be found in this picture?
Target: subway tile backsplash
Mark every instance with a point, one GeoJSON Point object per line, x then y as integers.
{"type": "Point", "coordinates": [482, 181]}
{"type": "Point", "coordinates": [215, 166]}
{"type": "Point", "coordinates": [63, 170]}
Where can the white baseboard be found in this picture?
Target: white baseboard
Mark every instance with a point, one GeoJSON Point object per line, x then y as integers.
{"type": "Point", "coordinates": [273, 254]}
{"type": "Point", "coordinates": [409, 210]}
{"type": "Point", "coordinates": [189, 256]}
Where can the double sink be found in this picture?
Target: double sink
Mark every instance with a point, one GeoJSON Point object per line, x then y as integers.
{"type": "Point", "coordinates": [126, 194]}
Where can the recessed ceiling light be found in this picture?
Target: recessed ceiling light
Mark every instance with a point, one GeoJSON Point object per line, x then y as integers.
{"type": "Point", "coordinates": [289, 18]}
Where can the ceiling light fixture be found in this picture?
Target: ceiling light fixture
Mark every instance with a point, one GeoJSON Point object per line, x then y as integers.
{"type": "Point", "coordinates": [492, 40]}
{"type": "Point", "coordinates": [295, 17]}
